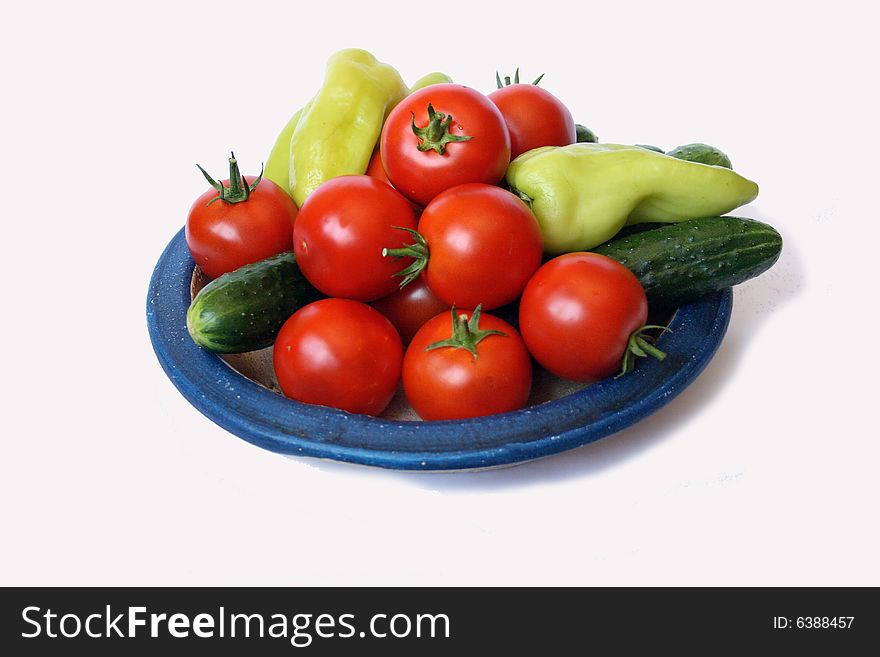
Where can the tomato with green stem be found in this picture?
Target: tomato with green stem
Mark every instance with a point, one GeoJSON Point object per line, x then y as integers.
{"type": "Point", "coordinates": [475, 244]}
{"type": "Point", "coordinates": [238, 221]}
{"type": "Point", "coordinates": [340, 234]}
{"type": "Point", "coordinates": [339, 353]}
{"type": "Point", "coordinates": [441, 136]}
{"type": "Point", "coordinates": [465, 364]}
{"type": "Point", "coordinates": [533, 115]}
{"type": "Point", "coordinates": [582, 316]}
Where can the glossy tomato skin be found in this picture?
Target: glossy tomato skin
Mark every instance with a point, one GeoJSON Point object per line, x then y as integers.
{"type": "Point", "coordinates": [577, 313]}
{"type": "Point", "coordinates": [225, 236]}
{"type": "Point", "coordinates": [534, 118]}
{"type": "Point", "coordinates": [421, 175]}
{"type": "Point", "coordinates": [410, 308]}
{"type": "Point", "coordinates": [340, 232]}
{"type": "Point", "coordinates": [449, 383]}
{"type": "Point", "coordinates": [484, 244]}
{"type": "Point", "coordinates": [339, 353]}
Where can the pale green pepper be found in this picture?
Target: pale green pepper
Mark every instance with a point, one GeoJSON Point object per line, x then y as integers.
{"type": "Point", "coordinates": [336, 133]}
{"type": "Point", "coordinates": [431, 78]}
{"type": "Point", "coordinates": [277, 167]}
{"type": "Point", "coordinates": [583, 194]}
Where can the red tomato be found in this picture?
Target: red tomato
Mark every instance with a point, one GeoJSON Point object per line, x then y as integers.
{"type": "Point", "coordinates": [223, 235]}
{"type": "Point", "coordinates": [534, 118]}
{"type": "Point", "coordinates": [340, 232]}
{"type": "Point", "coordinates": [441, 136]}
{"type": "Point", "coordinates": [578, 312]}
{"type": "Point", "coordinates": [483, 245]}
{"type": "Point", "coordinates": [377, 170]}
{"type": "Point", "coordinates": [487, 373]}
{"type": "Point", "coordinates": [339, 353]}
{"type": "Point", "coordinates": [408, 309]}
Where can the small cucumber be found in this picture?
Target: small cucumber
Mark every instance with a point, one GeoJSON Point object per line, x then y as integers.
{"type": "Point", "coordinates": [244, 309]}
{"type": "Point", "coordinates": [702, 153]}
{"type": "Point", "coordinates": [682, 262]}
{"type": "Point", "coordinates": [584, 134]}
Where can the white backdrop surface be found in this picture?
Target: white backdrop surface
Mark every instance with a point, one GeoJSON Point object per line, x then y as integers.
{"type": "Point", "coordinates": [763, 472]}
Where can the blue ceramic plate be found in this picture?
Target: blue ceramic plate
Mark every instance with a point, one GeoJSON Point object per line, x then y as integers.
{"type": "Point", "coordinates": [273, 422]}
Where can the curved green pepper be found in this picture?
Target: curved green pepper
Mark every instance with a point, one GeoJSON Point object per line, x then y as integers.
{"type": "Point", "coordinates": [427, 80]}
{"type": "Point", "coordinates": [583, 194]}
{"type": "Point", "coordinates": [336, 132]}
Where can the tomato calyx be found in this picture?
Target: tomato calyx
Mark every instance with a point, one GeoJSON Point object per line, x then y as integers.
{"type": "Point", "coordinates": [639, 346]}
{"type": "Point", "coordinates": [436, 135]}
{"type": "Point", "coordinates": [418, 251]}
{"type": "Point", "coordinates": [507, 82]}
{"type": "Point", "coordinates": [466, 334]}
{"type": "Point", "coordinates": [238, 191]}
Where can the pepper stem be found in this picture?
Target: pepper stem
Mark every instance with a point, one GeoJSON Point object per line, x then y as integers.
{"type": "Point", "coordinates": [638, 346]}
{"type": "Point", "coordinates": [238, 190]}
{"type": "Point", "coordinates": [466, 334]}
{"type": "Point", "coordinates": [436, 135]}
{"type": "Point", "coordinates": [418, 251]}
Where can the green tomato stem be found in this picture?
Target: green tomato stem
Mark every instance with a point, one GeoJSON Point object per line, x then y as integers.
{"type": "Point", "coordinates": [466, 334]}
{"type": "Point", "coordinates": [638, 346]}
{"type": "Point", "coordinates": [238, 191]}
{"type": "Point", "coordinates": [435, 135]}
{"type": "Point", "coordinates": [418, 251]}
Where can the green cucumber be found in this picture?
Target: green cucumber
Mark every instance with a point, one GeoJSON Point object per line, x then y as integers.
{"type": "Point", "coordinates": [684, 261]}
{"type": "Point", "coordinates": [244, 309]}
{"type": "Point", "coordinates": [702, 153]}
{"type": "Point", "coordinates": [584, 134]}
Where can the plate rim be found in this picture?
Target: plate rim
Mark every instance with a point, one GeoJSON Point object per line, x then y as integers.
{"type": "Point", "coordinates": [286, 426]}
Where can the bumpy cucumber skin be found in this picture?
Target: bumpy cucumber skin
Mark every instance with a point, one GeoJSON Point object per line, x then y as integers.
{"type": "Point", "coordinates": [244, 309]}
{"type": "Point", "coordinates": [702, 153]}
{"type": "Point", "coordinates": [682, 262]}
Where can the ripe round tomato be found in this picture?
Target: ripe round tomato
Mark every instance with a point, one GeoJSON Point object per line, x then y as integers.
{"type": "Point", "coordinates": [408, 309]}
{"type": "Point", "coordinates": [225, 235]}
{"type": "Point", "coordinates": [578, 312]}
{"type": "Point", "coordinates": [484, 244]}
{"type": "Point", "coordinates": [339, 353]}
{"type": "Point", "coordinates": [340, 232]}
{"type": "Point", "coordinates": [534, 118]}
{"type": "Point", "coordinates": [441, 136]}
{"type": "Point", "coordinates": [486, 373]}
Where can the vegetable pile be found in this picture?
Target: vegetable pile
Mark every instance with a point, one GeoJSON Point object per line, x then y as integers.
{"type": "Point", "coordinates": [444, 239]}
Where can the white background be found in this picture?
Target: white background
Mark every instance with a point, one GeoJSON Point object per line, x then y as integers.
{"type": "Point", "coordinates": [763, 472]}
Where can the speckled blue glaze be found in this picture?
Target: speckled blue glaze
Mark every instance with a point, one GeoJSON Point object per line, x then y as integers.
{"type": "Point", "coordinates": [273, 422]}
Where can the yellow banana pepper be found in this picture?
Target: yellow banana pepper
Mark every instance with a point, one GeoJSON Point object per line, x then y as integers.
{"type": "Point", "coordinates": [583, 194]}
{"type": "Point", "coordinates": [336, 132]}
{"type": "Point", "coordinates": [429, 79]}
{"type": "Point", "coordinates": [277, 167]}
